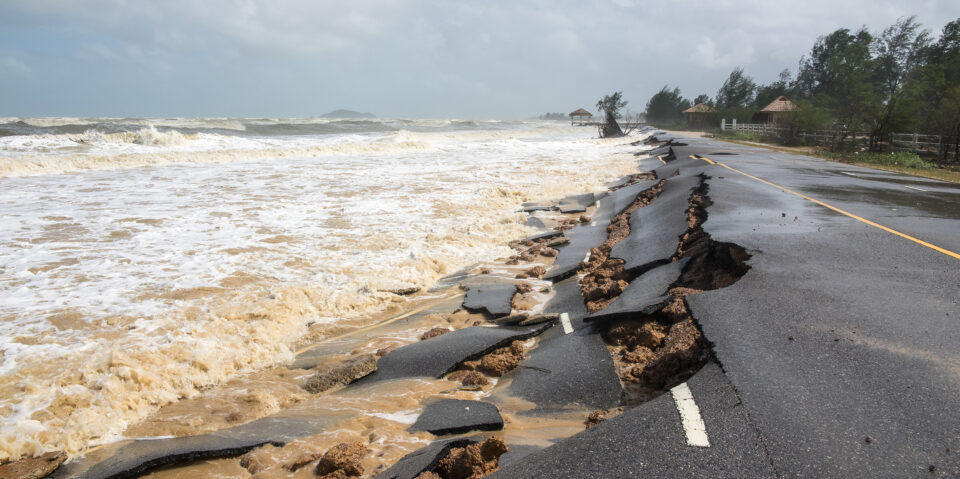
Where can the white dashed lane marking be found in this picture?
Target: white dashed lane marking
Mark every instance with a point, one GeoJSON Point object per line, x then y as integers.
{"type": "Point", "coordinates": [565, 321]}
{"type": "Point", "coordinates": [690, 416]}
{"type": "Point", "coordinates": [914, 188]}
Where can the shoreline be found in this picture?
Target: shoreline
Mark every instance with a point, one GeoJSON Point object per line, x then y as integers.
{"type": "Point", "coordinates": [287, 379]}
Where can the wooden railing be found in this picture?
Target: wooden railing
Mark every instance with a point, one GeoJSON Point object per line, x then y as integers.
{"type": "Point", "coordinates": [943, 148]}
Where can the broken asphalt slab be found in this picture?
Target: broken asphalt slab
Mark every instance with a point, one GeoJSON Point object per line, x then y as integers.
{"type": "Point", "coordinates": [455, 416]}
{"type": "Point", "coordinates": [133, 458]}
{"type": "Point", "coordinates": [655, 229]}
{"type": "Point", "coordinates": [567, 370]}
{"type": "Point", "coordinates": [440, 355]}
{"type": "Point", "coordinates": [494, 299]}
{"type": "Point", "coordinates": [645, 293]}
{"type": "Point", "coordinates": [577, 203]}
{"type": "Point", "coordinates": [423, 459]}
{"type": "Point", "coordinates": [584, 237]}
{"type": "Point", "coordinates": [649, 440]}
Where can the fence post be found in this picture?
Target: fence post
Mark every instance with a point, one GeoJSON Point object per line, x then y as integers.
{"type": "Point", "coordinates": [734, 124]}
{"type": "Point", "coordinates": [723, 124]}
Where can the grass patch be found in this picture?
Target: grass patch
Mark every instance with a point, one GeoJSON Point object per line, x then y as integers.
{"type": "Point", "coordinates": [900, 162]}
{"type": "Point", "coordinates": [900, 159]}
{"type": "Point", "coordinates": [738, 136]}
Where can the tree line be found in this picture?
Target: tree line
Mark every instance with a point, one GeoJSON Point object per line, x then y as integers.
{"type": "Point", "coordinates": [901, 79]}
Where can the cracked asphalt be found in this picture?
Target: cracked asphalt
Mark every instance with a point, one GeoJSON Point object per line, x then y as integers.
{"type": "Point", "coordinates": [836, 355]}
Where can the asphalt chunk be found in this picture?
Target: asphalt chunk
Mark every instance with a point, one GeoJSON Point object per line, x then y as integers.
{"type": "Point", "coordinates": [494, 299]}
{"type": "Point", "coordinates": [655, 230]}
{"type": "Point", "coordinates": [577, 203]}
{"type": "Point", "coordinates": [454, 416]}
{"type": "Point", "coordinates": [441, 355]}
{"type": "Point", "coordinates": [646, 293]}
{"type": "Point", "coordinates": [423, 459]}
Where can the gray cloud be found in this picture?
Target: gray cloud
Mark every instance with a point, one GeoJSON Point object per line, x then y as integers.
{"type": "Point", "coordinates": [399, 58]}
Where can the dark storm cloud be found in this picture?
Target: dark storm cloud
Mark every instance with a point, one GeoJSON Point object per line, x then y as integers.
{"type": "Point", "coordinates": [443, 59]}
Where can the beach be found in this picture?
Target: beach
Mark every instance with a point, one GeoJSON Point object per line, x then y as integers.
{"type": "Point", "coordinates": [145, 262]}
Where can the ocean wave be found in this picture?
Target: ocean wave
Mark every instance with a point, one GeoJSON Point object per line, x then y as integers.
{"type": "Point", "coordinates": [45, 164]}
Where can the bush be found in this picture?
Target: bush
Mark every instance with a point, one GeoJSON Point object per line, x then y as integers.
{"type": "Point", "coordinates": [740, 135]}
{"type": "Point", "coordinates": [902, 159]}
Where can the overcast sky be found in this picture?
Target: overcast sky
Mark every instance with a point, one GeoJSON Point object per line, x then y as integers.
{"type": "Point", "coordinates": [464, 59]}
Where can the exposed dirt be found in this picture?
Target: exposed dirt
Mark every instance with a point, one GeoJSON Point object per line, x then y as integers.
{"type": "Point", "coordinates": [655, 352]}
{"type": "Point", "coordinates": [471, 462]}
{"type": "Point", "coordinates": [434, 332]}
{"type": "Point", "coordinates": [342, 460]}
{"type": "Point", "coordinates": [601, 415]}
{"type": "Point", "coordinates": [536, 272]}
{"type": "Point", "coordinates": [32, 467]}
{"type": "Point", "coordinates": [714, 264]}
{"type": "Point", "coordinates": [497, 362]}
{"type": "Point", "coordinates": [468, 378]}
{"type": "Point", "coordinates": [604, 277]}
{"type": "Point", "coordinates": [636, 178]}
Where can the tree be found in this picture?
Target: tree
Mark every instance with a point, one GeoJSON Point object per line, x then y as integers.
{"type": "Point", "coordinates": [735, 97]}
{"type": "Point", "coordinates": [611, 105]}
{"type": "Point", "coordinates": [935, 87]}
{"type": "Point", "coordinates": [768, 93]}
{"type": "Point", "coordinates": [704, 99]}
{"type": "Point", "coordinates": [899, 51]}
{"type": "Point", "coordinates": [737, 90]}
{"type": "Point", "coordinates": [666, 106]}
{"type": "Point", "coordinates": [838, 75]}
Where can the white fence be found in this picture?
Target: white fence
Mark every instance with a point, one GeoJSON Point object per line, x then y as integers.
{"type": "Point", "coordinates": [942, 147]}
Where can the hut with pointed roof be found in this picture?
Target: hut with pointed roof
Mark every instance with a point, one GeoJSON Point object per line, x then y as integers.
{"type": "Point", "coordinates": [580, 116]}
{"type": "Point", "coordinates": [700, 115]}
{"type": "Point", "coordinates": [779, 111]}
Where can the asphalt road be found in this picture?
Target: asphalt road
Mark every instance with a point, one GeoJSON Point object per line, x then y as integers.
{"type": "Point", "coordinates": [837, 354]}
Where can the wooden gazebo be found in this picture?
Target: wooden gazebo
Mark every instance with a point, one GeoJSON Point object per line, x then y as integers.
{"type": "Point", "coordinates": [699, 115]}
{"type": "Point", "coordinates": [580, 116]}
{"type": "Point", "coordinates": [778, 111]}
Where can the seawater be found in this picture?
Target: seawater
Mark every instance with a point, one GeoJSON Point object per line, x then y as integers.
{"type": "Point", "coordinates": [142, 260]}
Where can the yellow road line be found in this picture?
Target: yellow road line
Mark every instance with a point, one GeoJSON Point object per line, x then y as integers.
{"type": "Point", "coordinates": [660, 157]}
{"type": "Point", "coordinates": [834, 208]}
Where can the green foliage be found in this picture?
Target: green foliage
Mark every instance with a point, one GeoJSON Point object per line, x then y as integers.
{"type": "Point", "coordinates": [899, 80]}
{"type": "Point", "coordinates": [737, 92]}
{"type": "Point", "coordinates": [739, 135]}
{"type": "Point", "coordinates": [666, 106]}
{"type": "Point", "coordinates": [612, 104]}
{"type": "Point", "coordinates": [901, 159]}
{"type": "Point", "coordinates": [768, 93]}
{"type": "Point", "coordinates": [554, 116]}
{"type": "Point", "coordinates": [704, 99]}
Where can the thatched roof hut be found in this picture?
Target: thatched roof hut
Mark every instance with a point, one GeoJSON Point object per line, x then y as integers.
{"type": "Point", "coordinates": [699, 115]}
{"type": "Point", "coordinates": [580, 115]}
{"type": "Point", "coordinates": [777, 111]}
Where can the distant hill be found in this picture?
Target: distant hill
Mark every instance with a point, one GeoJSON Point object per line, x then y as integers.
{"type": "Point", "coordinates": [347, 114]}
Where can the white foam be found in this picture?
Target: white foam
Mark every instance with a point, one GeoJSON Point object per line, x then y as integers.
{"type": "Point", "coordinates": [125, 289]}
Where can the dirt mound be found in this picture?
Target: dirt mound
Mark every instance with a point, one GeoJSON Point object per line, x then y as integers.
{"type": "Point", "coordinates": [536, 272]}
{"type": "Point", "coordinates": [655, 352]}
{"type": "Point", "coordinates": [342, 460]}
{"type": "Point", "coordinates": [32, 467]}
{"type": "Point", "coordinates": [468, 378]}
{"type": "Point", "coordinates": [501, 360]}
{"type": "Point", "coordinates": [471, 462]}
{"type": "Point", "coordinates": [434, 333]}
{"type": "Point", "coordinates": [604, 277]}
